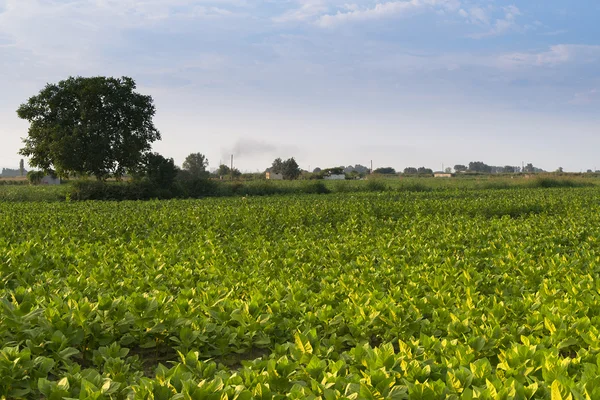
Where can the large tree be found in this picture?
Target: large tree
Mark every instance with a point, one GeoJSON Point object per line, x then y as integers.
{"type": "Point", "coordinates": [159, 170]}
{"type": "Point", "coordinates": [290, 169]}
{"type": "Point", "coordinates": [277, 166]}
{"type": "Point", "coordinates": [89, 126]}
{"type": "Point", "coordinates": [479, 166]}
{"type": "Point", "coordinates": [225, 171]}
{"type": "Point", "coordinates": [385, 171]}
{"type": "Point", "coordinates": [196, 164]}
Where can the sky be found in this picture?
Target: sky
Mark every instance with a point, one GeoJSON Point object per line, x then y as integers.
{"type": "Point", "coordinates": [328, 82]}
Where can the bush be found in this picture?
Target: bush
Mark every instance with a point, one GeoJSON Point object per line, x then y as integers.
{"type": "Point", "coordinates": [546, 182]}
{"type": "Point", "coordinates": [416, 187]}
{"type": "Point", "coordinates": [374, 185]}
{"type": "Point", "coordinates": [315, 187]}
{"type": "Point", "coordinates": [190, 187]}
{"type": "Point", "coordinates": [35, 177]}
{"type": "Point", "coordinates": [135, 190]}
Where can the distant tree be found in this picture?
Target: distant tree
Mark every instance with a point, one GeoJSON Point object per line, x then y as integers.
{"type": "Point", "coordinates": [277, 166]}
{"type": "Point", "coordinates": [460, 168]}
{"type": "Point", "coordinates": [478, 166]}
{"type": "Point", "coordinates": [316, 170]}
{"type": "Point", "coordinates": [290, 169]}
{"type": "Point", "coordinates": [361, 169]}
{"type": "Point", "coordinates": [196, 164]}
{"type": "Point", "coordinates": [411, 170]}
{"type": "Point", "coordinates": [35, 177]}
{"type": "Point", "coordinates": [385, 171]}
{"type": "Point", "coordinates": [589, 171]}
{"type": "Point", "coordinates": [423, 170]}
{"type": "Point", "coordinates": [508, 169]}
{"type": "Point", "coordinates": [159, 170]}
{"type": "Point", "coordinates": [223, 170]}
{"type": "Point", "coordinates": [88, 126]}
{"type": "Point", "coordinates": [529, 168]}
{"type": "Point", "coordinates": [22, 167]}
{"type": "Point", "coordinates": [448, 170]}
{"type": "Point", "coordinates": [333, 171]}
{"type": "Point", "coordinates": [560, 170]}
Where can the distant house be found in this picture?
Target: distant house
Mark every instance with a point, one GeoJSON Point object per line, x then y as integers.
{"type": "Point", "coordinates": [442, 175]}
{"type": "Point", "coordinates": [50, 180]}
{"type": "Point", "coordinates": [273, 176]}
{"type": "Point", "coordinates": [335, 177]}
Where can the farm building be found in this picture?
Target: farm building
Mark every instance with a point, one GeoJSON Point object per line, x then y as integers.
{"type": "Point", "coordinates": [273, 176]}
{"type": "Point", "coordinates": [442, 175]}
{"type": "Point", "coordinates": [50, 180]}
{"type": "Point", "coordinates": [335, 177]}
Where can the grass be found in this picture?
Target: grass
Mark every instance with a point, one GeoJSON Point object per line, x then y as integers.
{"type": "Point", "coordinates": [20, 192]}
{"type": "Point", "coordinates": [27, 193]}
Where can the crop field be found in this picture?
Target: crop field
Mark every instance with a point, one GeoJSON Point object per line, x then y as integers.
{"type": "Point", "coordinates": [478, 294]}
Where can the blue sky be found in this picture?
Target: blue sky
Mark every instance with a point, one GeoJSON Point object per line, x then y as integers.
{"type": "Point", "coordinates": [330, 82]}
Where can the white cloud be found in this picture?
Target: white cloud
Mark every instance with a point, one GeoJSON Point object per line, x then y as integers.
{"type": "Point", "coordinates": [556, 55]}
{"type": "Point", "coordinates": [387, 10]}
{"type": "Point", "coordinates": [308, 9]}
{"type": "Point", "coordinates": [502, 25]}
{"type": "Point", "coordinates": [585, 98]}
{"type": "Point", "coordinates": [476, 15]}
{"type": "Point", "coordinates": [77, 35]}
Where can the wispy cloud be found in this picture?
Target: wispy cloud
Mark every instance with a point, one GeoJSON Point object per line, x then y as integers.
{"type": "Point", "coordinates": [309, 9]}
{"type": "Point", "coordinates": [585, 98]}
{"type": "Point", "coordinates": [555, 33]}
{"type": "Point", "coordinates": [79, 34]}
{"type": "Point", "coordinates": [386, 10]}
{"type": "Point", "coordinates": [507, 23]}
{"type": "Point", "coordinates": [476, 15]}
{"type": "Point", "coordinates": [556, 55]}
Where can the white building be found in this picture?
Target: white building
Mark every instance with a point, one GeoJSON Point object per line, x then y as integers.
{"type": "Point", "coordinates": [273, 176]}
{"type": "Point", "coordinates": [49, 180]}
{"type": "Point", "coordinates": [333, 177]}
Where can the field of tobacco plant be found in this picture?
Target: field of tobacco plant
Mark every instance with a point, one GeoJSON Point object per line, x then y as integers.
{"type": "Point", "coordinates": [397, 295]}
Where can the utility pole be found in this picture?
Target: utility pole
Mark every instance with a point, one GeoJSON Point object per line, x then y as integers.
{"type": "Point", "coordinates": [231, 167]}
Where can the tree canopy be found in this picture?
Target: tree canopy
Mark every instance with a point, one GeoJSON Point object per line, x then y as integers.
{"type": "Point", "coordinates": [159, 170]}
{"type": "Point", "coordinates": [288, 168]}
{"type": "Point", "coordinates": [196, 164]}
{"type": "Point", "coordinates": [225, 171]}
{"type": "Point", "coordinates": [385, 171]}
{"type": "Point", "coordinates": [479, 166]}
{"type": "Point", "coordinates": [88, 126]}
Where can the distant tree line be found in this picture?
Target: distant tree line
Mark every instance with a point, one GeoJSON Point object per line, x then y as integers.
{"type": "Point", "coordinates": [481, 167]}
{"type": "Point", "coordinates": [102, 127]}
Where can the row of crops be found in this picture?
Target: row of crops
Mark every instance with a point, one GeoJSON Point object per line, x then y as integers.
{"type": "Point", "coordinates": [395, 295]}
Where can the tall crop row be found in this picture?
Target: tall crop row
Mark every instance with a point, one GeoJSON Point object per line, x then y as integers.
{"type": "Point", "coordinates": [430, 295]}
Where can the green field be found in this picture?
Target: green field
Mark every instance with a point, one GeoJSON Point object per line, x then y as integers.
{"type": "Point", "coordinates": [400, 294]}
